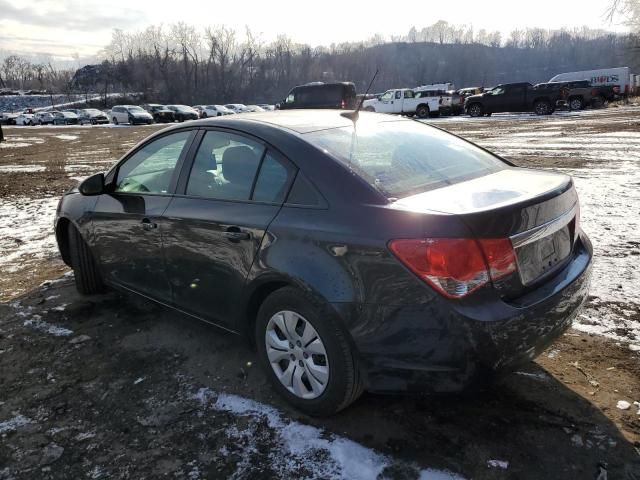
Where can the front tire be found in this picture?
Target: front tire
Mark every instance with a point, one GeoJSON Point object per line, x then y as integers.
{"type": "Point", "coordinates": [85, 269]}
{"type": "Point", "coordinates": [305, 353]}
{"type": "Point", "coordinates": [115, 121]}
{"type": "Point", "coordinates": [542, 107]}
{"type": "Point", "coordinates": [475, 110]}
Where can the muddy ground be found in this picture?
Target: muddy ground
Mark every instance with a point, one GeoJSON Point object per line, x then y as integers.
{"type": "Point", "coordinates": [111, 387]}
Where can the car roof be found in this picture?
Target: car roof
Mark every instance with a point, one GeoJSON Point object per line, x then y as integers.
{"type": "Point", "coordinates": [300, 121]}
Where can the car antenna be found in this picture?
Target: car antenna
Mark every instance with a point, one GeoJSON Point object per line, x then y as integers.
{"type": "Point", "coordinates": [355, 114]}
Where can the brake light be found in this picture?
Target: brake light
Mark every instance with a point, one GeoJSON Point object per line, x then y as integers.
{"type": "Point", "coordinates": [343, 104]}
{"type": "Point", "coordinates": [455, 267]}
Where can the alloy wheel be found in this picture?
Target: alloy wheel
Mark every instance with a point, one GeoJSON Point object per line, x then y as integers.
{"type": "Point", "coordinates": [475, 110]}
{"type": "Point", "coordinates": [542, 108]}
{"type": "Point", "coordinates": [297, 354]}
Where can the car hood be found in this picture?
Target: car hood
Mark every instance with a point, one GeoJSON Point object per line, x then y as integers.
{"type": "Point", "coordinates": [477, 96]}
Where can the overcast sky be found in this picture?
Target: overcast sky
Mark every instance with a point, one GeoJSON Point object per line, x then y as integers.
{"type": "Point", "coordinates": [65, 28]}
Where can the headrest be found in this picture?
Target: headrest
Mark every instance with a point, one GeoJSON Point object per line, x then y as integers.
{"type": "Point", "coordinates": [239, 165]}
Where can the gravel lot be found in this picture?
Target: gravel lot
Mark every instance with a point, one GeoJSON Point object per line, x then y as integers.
{"type": "Point", "coordinates": [112, 387]}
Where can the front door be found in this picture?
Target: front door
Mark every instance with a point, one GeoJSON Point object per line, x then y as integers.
{"type": "Point", "coordinates": [234, 190]}
{"type": "Point", "coordinates": [386, 102]}
{"type": "Point", "coordinates": [127, 222]}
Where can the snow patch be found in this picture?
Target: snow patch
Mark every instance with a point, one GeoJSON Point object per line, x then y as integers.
{"type": "Point", "coordinates": [37, 323]}
{"type": "Point", "coordinates": [14, 423]}
{"type": "Point", "coordinates": [503, 464]}
{"type": "Point", "coordinates": [326, 455]}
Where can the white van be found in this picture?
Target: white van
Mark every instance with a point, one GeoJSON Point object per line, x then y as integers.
{"type": "Point", "coordinates": [609, 77]}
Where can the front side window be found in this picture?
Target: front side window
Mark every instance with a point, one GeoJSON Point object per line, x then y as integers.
{"type": "Point", "coordinates": [398, 94]}
{"type": "Point", "coordinates": [401, 158]}
{"type": "Point", "coordinates": [225, 167]}
{"type": "Point", "coordinates": [151, 168]}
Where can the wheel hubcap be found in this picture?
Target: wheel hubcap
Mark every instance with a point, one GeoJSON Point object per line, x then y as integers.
{"type": "Point", "coordinates": [297, 355]}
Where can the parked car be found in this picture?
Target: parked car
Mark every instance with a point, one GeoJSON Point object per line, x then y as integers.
{"type": "Point", "coordinates": [160, 113]}
{"type": "Point", "coordinates": [255, 108]}
{"type": "Point", "coordinates": [131, 114]}
{"type": "Point", "coordinates": [68, 118]}
{"type": "Point", "coordinates": [449, 102]}
{"type": "Point", "coordinates": [52, 117]}
{"type": "Point", "coordinates": [467, 92]}
{"type": "Point", "coordinates": [25, 119]}
{"type": "Point", "coordinates": [9, 118]}
{"type": "Point", "coordinates": [92, 116]}
{"type": "Point", "coordinates": [237, 107]}
{"type": "Point", "coordinates": [340, 95]}
{"type": "Point", "coordinates": [580, 94]}
{"type": "Point", "coordinates": [405, 101]}
{"type": "Point", "coordinates": [183, 112]}
{"type": "Point", "coordinates": [215, 111]}
{"type": "Point", "coordinates": [516, 97]}
{"type": "Point", "coordinates": [390, 257]}
{"type": "Point", "coordinates": [267, 106]}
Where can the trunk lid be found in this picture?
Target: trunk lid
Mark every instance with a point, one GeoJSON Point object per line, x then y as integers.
{"type": "Point", "coordinates": [537, 210]}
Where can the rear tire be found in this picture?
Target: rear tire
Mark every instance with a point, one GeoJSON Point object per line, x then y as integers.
{"type": "Point", "coordinates": [344, 382]}
{"type": "Point", "coordinates": [576, 104]}
{"type": "Point", "coordinates": [85, 269]}
{"type": "Point", "coordinates": [598, 102]}
{"type": "Point", "coordinates": [422, 111]}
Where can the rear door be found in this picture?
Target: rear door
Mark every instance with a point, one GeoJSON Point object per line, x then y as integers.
{"type": "Point", "coordinates": [516, 98]}
{"type": "Point", "coordinates": [126, 223]}
{"type": "Point", "coordinates": [231, 192]}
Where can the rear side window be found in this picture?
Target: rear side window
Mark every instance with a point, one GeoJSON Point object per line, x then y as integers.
{"type": "Point", "coordinates": [273, 179]}
{"type": "Point", "coordinates": [303, 193]}
{"type": "Point", "coordinates": [225, 167]}
{"type": "Point", "coordinates": [402, 158]}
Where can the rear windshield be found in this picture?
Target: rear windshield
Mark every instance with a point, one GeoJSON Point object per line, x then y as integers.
{"type": "Point", "coordinates": [402, 158]}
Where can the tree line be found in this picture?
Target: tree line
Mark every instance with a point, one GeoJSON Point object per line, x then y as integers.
{"type": "Point", "coordinates": [181, 63]}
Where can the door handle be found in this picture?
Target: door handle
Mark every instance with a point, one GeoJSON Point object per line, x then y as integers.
{"type": "Point", "coordinates": [148, 224]}
{"type": "Point", "coordinates": [235, 234]}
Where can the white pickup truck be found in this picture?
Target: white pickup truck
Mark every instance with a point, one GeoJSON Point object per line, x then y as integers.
{"type": "Point", "coordinates": [403, 101]}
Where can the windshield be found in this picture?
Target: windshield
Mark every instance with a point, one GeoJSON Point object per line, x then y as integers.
{"type": "Point", "coordinates": [402, 158]}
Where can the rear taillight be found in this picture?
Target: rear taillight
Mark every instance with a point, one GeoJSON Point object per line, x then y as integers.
{"type": "Point", "coordinates": [343, 104]}
{"type": "Point", "coordinates": [455, 267]}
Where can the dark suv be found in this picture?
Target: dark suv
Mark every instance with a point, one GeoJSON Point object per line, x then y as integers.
{"type": "Point", "coordinates": [516, 97]}
{"type": "Point", "coordinates": [579, 93]}
{"type": "Point", "coordinates": [341, 95]}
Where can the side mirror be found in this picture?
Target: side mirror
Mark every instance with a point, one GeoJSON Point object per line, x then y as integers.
{"type": "Point", "coordinates": [93, 185]}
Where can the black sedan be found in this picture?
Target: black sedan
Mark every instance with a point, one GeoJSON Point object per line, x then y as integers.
{"type": "Point", "coordinates": [384, 255]}
{"type": "Point", "coordinates": [183, 112]}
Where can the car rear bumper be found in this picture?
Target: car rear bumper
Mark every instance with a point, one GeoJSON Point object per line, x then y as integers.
{"type": "Point", "coordinates": [445, 346]}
